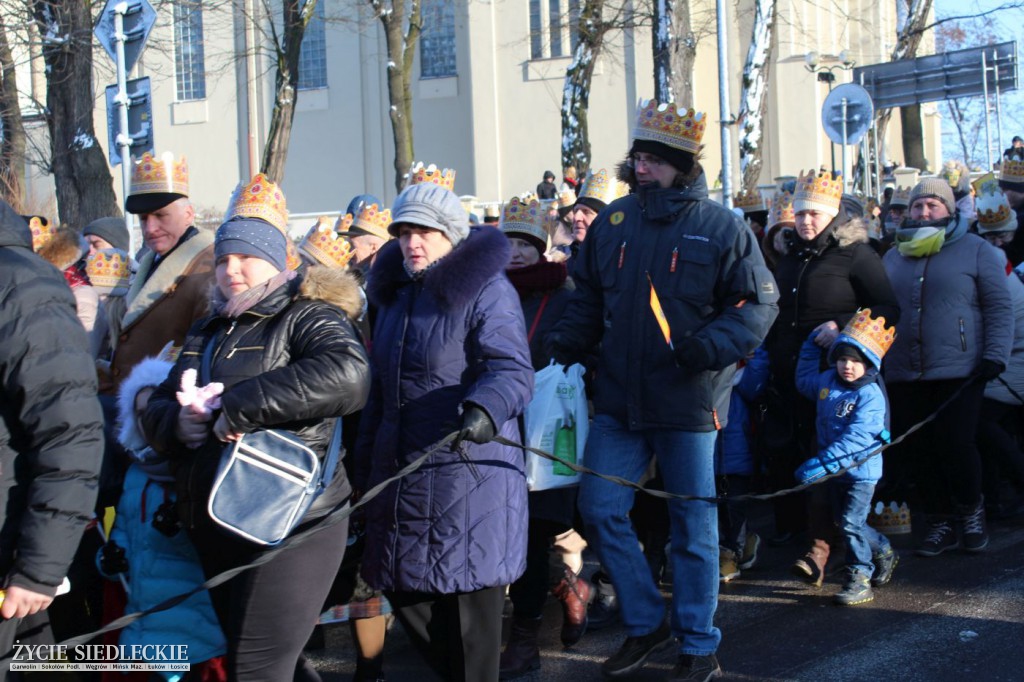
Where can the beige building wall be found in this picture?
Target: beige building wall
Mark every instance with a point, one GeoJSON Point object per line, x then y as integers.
{"type": "Point", "coordinates": [497, 122]}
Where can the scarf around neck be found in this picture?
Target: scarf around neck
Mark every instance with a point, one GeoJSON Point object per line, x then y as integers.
{"type": "Point", "coordinates": [233, 307]}
{"type": "Point", "coordinates": [542, 276]}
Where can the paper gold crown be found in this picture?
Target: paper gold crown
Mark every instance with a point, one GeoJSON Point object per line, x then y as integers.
{"type": "Point", "coordinates": [43, 232]}
{"type": "Point", "coordinates": [900, 197]}
{"type": "Point", "coordinates": [600, 185]}
{"type": "Point", "coordinates": [1012, 171]}
{"type": "Point", "coordinates": [678, 128]}
{"type": "Point", "coordinates": [566, 199]}
{"type": "Point", "coordinates": [819, 191]}
{"type": "Point", "coordinates": [371, 219]}
{"type": "Point", "coordinates": [151, 175]}
{"type": "Point", "coordinates": [261, 198]}
{"type": "Point", "coordinates": [890, 519]}
{"type": "Point", "coordinates": [108, 269]}
{"type": "Point", "coordinates": [524, 216]}
{"type": "Point", "coordinates": [782, 210]}
{"type": "Point", "coordinates": [994, 213]}
{"type": "Point", "coordinates": [749, 201]}
{"type": "Point", "coordinates": [323, 245]}
{"type": "Point", "coordinates": [870, 335]}
{"type": "Point", "coordinates": [419, 174]}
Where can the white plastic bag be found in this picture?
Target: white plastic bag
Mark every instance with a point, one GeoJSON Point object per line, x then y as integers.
{"type": "Point", "coordinates": [556, 421]}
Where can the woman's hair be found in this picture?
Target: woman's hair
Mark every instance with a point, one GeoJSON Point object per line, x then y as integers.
{"type": "Point", "coordinates": [569, 172]}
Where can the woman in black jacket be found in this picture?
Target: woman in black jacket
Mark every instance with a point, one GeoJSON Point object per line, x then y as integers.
{"type": "Point", "coordinates": [286, 351]}
{"type": "Point", "coordinates": [827, 274]}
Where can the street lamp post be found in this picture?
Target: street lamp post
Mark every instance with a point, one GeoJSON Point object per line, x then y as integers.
{"type": "Point", "coordinates": [827, 74]}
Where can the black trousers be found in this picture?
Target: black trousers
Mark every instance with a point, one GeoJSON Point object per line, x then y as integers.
{"type": "Point", "coordinates": [943, 456]}
{"type": "Point", "coordinates": [459, 635]}
{"type": "Point", "coordinates": [1001, 454]}
{"type": "Point", "coordinates": [268, 612]}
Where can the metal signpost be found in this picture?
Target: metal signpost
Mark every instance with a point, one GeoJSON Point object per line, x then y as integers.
{"type": "Point", "coordinates": [122, 29]}
{"type": "Point", "coordinates": [846, 116]}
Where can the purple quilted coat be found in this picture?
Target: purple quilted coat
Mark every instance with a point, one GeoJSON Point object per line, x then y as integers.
{"type": "Point", "coordinates": [456, 336]}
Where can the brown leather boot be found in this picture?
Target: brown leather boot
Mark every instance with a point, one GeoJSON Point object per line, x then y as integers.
{"type": "Point", "coordinates": [575, 593]}
{"type": "Point", "coordinates": [521, 654]}
{"type": "Point", "coordinates": [811, 566]}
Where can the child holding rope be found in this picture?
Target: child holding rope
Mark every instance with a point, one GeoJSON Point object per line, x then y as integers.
{"type": "Point", "coordinates": [852, 424]}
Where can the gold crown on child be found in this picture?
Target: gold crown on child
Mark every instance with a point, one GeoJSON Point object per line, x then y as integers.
{"type": "Point", "coordinates": [870, 332]}
{"type": "Point", "coordinates": [419, 174]}
{"type": "Point", "coordinates": [678, 128]}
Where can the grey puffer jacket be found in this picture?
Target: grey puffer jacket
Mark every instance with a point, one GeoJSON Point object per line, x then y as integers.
{"type": "Point", "coordinates": [1014, 374]}
{"type": "Point", "coordinates": [955, 310]}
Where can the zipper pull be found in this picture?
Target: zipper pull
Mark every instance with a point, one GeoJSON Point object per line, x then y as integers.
{"type": "Point", "coordinates": [675, 258]}
{"type": "Point", "coordinates": [230, 353]}
{"type": "Point", "coordinates": [234, 323]}
{"type": "Point", "coordinates": [622, 254]}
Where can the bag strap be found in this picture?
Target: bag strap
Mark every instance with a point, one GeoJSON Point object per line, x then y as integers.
{"type": "Point", "coordinates": [536, 318]}
{"type": "Point", "coordinates": [331, 459]}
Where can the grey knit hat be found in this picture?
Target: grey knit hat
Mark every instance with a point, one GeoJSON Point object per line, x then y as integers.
{"type": "Point", "coordinates": [937, 188]}
{"type": "Point", "coordinates": [433, 206]}
{"type": "Point", "coordinates": [113, 230]}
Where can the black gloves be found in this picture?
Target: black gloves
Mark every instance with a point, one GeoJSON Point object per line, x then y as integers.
{"type": "Point", "coordinates": [113, 560]}
{"type": "Point", "coordinates": [989, 369]}
{"type": "Point", "coordinates": [555, 348]}
{"type": "Point", "coordinates": [692, 356]}
{"type": "Point", "coordinates": [477, 427]}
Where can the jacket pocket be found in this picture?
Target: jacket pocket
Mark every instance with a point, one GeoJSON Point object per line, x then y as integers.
{"type": "Point", "coordinates": [692, 273]}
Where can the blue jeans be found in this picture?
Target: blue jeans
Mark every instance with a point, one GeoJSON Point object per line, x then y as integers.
{"type": "Point", "coordinates": [851, 502]}
{"type": "Point", "coordinates": [686, 460]}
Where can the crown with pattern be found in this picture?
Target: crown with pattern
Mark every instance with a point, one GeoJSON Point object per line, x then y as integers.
{"type": "Point", "coordinates": [890, 519]}
{"type": "Point", "coordinates": [325, 246]}
{"type": "Point", "coordinates": [43, 231]}
{"type": "Point", "coordinates": [900, 197]}
{"type": "Point", "coordinates": [263, 199]}
{"type": "Point", "coordinates": [749, 200]}
{"type": "Point", "coordinates": [782, 210]}
{"type": "Point", "coordinates": [108, 269]}
{"type": "Point", "coordinates": [601, 186]}
{"type": "Point", "coordinates": [566, 198]}
{"type": "Point", "coordinates": [869, 335]}
{"type": "Point", "coordinates": [370, 219]}
{"type": "Point", "coordinates": [419, 174]}
{"type": "Point", "coordinates": [1012, 171]}
{"type": "Point", "coordinates": [165, 175]}
{"type": "Point", "coordinates": [818, 191]}
{"type": "Point", "coordinates": [678, 128]}
{"type": "Point", "coordinates": [994, 213]}
{"type": "Point", "coordinates": [525, 217]}
{"type": "Point", "coordinates": [952, 172]}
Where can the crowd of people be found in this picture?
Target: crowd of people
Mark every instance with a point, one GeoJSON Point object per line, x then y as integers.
{"type": "Point", "coordinates": [781, 344]}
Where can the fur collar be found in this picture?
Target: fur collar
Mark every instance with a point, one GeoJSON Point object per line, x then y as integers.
{"type": "Point", "coordinates": [65, 249]}
{"type": "Point", "coordinates": [854, 231]}
{"type": "Point", "coordinates": [335, 286]}
{"type": "Point", "coordinates": [455, 281]}
{"type": "Point", "coordinates": [144, 293]}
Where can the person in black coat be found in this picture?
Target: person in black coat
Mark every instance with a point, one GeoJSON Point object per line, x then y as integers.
{"type": "Point", "coordinates": [547, 189]}
{"type": "Point", "coordinates": [284, 346]}
{"type": "Point", "coordinates": [51, 434]}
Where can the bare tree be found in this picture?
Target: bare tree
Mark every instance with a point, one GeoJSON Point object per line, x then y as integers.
{"type": "Point", "coordinates": [754, 97]}
{"type": "Point", "coordinates": [12, 128]}
{"type": "Point", "coordinates": [402, 25]}
{"type": "Point", "coordinates": [85, 189]}
{"type": "Point", "coordinates": [674, 44]}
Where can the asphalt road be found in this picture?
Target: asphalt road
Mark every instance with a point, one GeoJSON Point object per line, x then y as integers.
{"type": "Point", "coordinates": [952, 617]}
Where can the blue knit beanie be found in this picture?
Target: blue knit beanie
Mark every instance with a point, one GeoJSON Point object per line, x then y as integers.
{"type": "Point", "coordinates": [252, 237]}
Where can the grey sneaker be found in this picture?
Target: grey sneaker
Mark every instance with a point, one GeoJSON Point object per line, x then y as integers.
{"type": "Point", "coordinates": [634, 652]}
{"type": "Point", "coordinates": [696, 668]}
{"type": "Point", "coordinates": [941, 537]}
{"type": "Point", "coordinates": [750, 549]}
{"type": "Point", "coordinates": [885, 562]}
{"type": "Point", "coordinates": [856, 590]}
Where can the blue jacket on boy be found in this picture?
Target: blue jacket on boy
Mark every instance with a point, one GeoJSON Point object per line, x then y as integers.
{"type": "Point", "coordinates": [852, 420]}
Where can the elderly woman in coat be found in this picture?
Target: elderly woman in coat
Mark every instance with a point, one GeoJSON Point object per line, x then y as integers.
{"type": "Point", "coordinates": [449, 354]}
{"type": "Point", "coordinates": [284, 347]}
{"type": "Point", "coordinates": [955, 335]}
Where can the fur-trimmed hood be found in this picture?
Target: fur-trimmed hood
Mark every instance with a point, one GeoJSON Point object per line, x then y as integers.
{"type": "Point", "coordinates": [65, 249]}
{"type": "Point", "coordinates": [338, 287]}
{"type": "Point", "coordinates": [149, 372]}
{"type": "Point", "coordinates": [853, 231]}
{"type": "Point", "coordinates": [455, 280]}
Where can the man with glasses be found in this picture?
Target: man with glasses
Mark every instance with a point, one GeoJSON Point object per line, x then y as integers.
{"type": "Point", "coordinates": [674, 289]}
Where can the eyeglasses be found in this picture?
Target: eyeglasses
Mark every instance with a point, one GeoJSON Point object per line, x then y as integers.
{"type": "Point", "coordinates": [648, 160]}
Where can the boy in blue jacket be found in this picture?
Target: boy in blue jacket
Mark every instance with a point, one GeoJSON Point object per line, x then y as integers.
{"type": "Point", "coordinates": [852, 424]}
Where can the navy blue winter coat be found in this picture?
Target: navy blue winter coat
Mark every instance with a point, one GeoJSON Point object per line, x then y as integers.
{"type": "Point", "coordinates": [453, 337]}
{"type": "Point", "coordinates": [713, 286]}
{"type": "Point", "coordinates": [735, 454]}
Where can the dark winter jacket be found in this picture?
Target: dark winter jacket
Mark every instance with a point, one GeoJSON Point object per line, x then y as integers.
{"type": "Point", "coordinates": [828, 280]}
{"type": "Point", "coordinates": [735, 455]}
{"type": "Point", "coordinates": [852, 419]}
{"type": "Point", "coordinates": [713, 286]}
{"type": "Point", "coordinates": [454, 336]}
{"type": "Point", "coordinates": [292, 362]}
{"type": "Point", "coordinates": [956, 310]}
{"type": "Point", "coordinates": [51, 434]}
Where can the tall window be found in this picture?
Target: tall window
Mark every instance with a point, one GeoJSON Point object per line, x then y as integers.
{"type": "Point", "coordinates": [437, 41]}
{"type": "Point", "coordinates": [554, 27]}
{"type": "Point", "coordinates": [313, 53]}
{"type": "Point", "coordinates": [189, 58]}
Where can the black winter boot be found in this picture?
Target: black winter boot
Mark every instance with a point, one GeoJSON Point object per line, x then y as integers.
{"type": "Point", "coordinates": [521, 654]}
